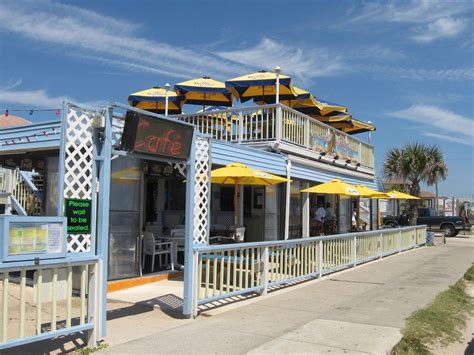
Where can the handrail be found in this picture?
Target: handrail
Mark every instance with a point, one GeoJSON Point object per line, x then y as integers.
{"type": "Point", "coordinates": [277, 122]}
{"type": "Point", "coordinates": [204, 248]}
{"type": "Point", "coordinates": [230, 270]}
{"type": "Point", "coordinates": [261, 107]}
{"type": "Point", "coordinates": [287, 108]}
{"type": "Point", "coordinates": [27, 180]}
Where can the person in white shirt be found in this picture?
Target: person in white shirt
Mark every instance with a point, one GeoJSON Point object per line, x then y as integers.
{"type": "Point", "coordinates": [320, 215]}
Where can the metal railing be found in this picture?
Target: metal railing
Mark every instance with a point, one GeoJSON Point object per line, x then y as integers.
{"type": "Point", "coordinates": [235, 269]}
{"type": "Point", "coordinates": [42, 302]}
{"type": "Point", "coordinates": [262, 123]}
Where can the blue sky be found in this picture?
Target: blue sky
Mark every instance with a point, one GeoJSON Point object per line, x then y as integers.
{"type": "Point", "coordinates": [407, 66]}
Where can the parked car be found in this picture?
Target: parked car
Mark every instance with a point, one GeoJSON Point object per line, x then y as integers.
{"type": "Point", "coordinates": [450, 225]}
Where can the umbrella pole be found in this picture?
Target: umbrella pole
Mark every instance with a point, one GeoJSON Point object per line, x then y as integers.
{"type": "Point", "coordinates": [236, 203]}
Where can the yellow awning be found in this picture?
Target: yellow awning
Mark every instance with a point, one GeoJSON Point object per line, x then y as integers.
{"type": "Point", "coordinates": [358, 127]}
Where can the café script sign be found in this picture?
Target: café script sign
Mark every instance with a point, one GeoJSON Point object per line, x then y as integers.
{"type": "Point", "coordinates": [149, 135]}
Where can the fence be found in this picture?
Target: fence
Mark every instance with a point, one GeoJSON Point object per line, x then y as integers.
{"type": "Point", "coordinates": [229, 270]}
{"type": "Point", "coordinates": [44, 301]}
{"type": "Point", "coordinates": [261, 123]}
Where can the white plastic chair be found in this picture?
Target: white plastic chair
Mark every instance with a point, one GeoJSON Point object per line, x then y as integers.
{"type": "Point", "coordinates": [239, 234]}
{"type": "Point", "coordinates": [153, 247]}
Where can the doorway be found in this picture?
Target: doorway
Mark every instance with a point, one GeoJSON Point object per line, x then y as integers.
{"type": "Point", "coordinates": [254, 213]}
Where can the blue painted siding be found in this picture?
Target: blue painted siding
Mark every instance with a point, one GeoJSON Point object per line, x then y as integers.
{"type": "Point", "coordinates": [31, 137]}
{"type": "Point", "coordinates": [312, 174]}
{"type": "Point", "coordinates": [223, 153]}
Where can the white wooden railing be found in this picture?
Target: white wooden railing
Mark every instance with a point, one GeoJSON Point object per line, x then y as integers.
{"type": "Point", "coordinates": [26, 193]}
{"type": "Point", "coordinates": [262, 123]}
{"type": "Point", "coordinates": [39, 302]}
{"type": "Point", "coordinates": [235, 269]}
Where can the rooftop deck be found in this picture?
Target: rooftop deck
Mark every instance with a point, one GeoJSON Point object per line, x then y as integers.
{"type": "Point", "coordinates": [282, 128]}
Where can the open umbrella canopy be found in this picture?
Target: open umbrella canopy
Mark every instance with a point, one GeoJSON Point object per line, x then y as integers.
{"type": "Point", "coordinates": [397, 195]}
{"type": "Point", "coordinates": [237, 173]}
{"type": "Point", "coordinates": [358, 127]}
{"type": "Point", "coordinates": [303, 100]}
{"type": "Point", "coordinates": [204, 91]}
{"type": "Point", "coordinates": [154, 100]}
{"type": "Point", "coordinates": [343, 119]}
{"type": "Point", "coordinates": [259, 85]}
{"type": "Point", "coordinates": [329, 107]}
{"type": "Point", "coordinates": [367, 192]}
{"type": "Point", "coordinates": [334, 187]}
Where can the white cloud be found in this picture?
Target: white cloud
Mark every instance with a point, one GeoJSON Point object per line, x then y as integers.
{"type": "Point", "coordinates": [40, 98]}
{"type": "Point", "coordinates": [299, 62]}
{"type": "Point", "coordinates": [107, 38]}
{"type": "Point", "coordinates": [445, 137]}
{"type": "Point", "coordinates": [432, 19]}
{"type": "Point", "coordinates": [423, 74]}
{"type": "Point", "coordinates": [458, 128]}
{"type": "Point", "coordinates": [440, 28]}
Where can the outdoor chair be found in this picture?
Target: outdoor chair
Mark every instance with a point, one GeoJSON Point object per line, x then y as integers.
{"type": "Point", "coordinates": [239, 234]}
{"type": "Point", "coordinates": [153, 247]}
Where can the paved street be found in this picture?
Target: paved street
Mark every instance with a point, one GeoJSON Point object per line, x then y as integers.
{"type": "Point", "coordinates": [358, 311]}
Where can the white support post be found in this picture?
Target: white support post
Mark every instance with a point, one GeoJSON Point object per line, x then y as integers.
{"type": "Point", "coordinates": [240, 212]}
{"type": "Point", "coordinates": [307, 142]}
{"type": "Point", "coordinates": [92, 306]}
{"type": "Point", "coordinates": [354, 250]}
{"type": "Point", "coordinates": [240, 128]}
{"type": "Point", "coordinates": [399, 241]}
{"type": "Point", "coordinates": [196, 285]}
{"type": "Point", "coordinates": [320, 258]}
{"type": "Point", "coordinates": [265, 271]}
{"type": "Point", "coordinates": [306, 212]}
{"type": "Point", "coordinates": [287, 204]}
{"type": "Point", "coordinates": [167, 87]}
{"type": "Point", "coordinates": [381, 245]}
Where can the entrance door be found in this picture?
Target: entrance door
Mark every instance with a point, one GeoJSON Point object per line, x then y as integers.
{"type": "Point", "coordinates": [254, 213]}
{"type": "Point", "coordinates": [125, 224]}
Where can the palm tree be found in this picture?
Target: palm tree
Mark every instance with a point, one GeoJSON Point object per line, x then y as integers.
{"type": "Point", "coordinates": [415, 163]}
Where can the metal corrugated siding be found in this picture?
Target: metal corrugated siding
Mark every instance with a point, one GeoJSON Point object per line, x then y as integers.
{"type": "Point", "coordinates": [223, 153]}
{"type": "Point", "coordinates": [309, 173]}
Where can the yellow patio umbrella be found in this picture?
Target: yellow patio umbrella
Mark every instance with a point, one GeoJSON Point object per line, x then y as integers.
{"type": "Point", "coordinates": [334, 187]}
{"type": "Point", "coordinates": [303, 101]}
{"type": "Point", "coordinates": [354, 127]}
{"type": "Point", "coordinates": [329, 107]}
{"type": "Point", "coordinates": [204, 91]}
{"type": "Point", "coordinates": [260, 85]}
{"type": "Point", "coordinates": [154, 100]}
{"type": "Point", "coordinates": [370, 193]}
{"type": "Point", "coordinates": [240, 174]}
{"type": "Point", "coordinates": [336, 118]}
{"type": "Point", "coordinates": [397, 195]}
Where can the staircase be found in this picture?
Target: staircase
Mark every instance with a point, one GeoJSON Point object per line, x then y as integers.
{"type": "Point", "coordinates": [21, 192]}
{"type": "Point", "coordinates": [364, 213]}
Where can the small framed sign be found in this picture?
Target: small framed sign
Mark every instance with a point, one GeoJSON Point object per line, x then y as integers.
{"type": "Point", "coordinates": [153, 136]}
{"type": "Point", "coordinates": [28, 238]}
{"type": "Point", "coordinates": [78, 214]}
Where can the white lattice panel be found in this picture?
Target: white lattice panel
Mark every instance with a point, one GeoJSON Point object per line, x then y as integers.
{"type": "Point", "coordinates": [78, 174]}
{"type": "Point", "coordinates": [202, 191]}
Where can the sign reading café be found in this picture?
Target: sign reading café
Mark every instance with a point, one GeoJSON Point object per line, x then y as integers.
{"type": "Point", "coordinates": [149, 135]}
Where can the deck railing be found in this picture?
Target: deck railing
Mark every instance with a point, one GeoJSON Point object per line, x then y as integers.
{"type": "Point", "coordinates": [235, 269]}
{"type": "Point", "coordinates": [26, 193]}
{"type": "Point", "coordinates": [281, 123]}
{"type": "Point", "coordinates": [41, 302]}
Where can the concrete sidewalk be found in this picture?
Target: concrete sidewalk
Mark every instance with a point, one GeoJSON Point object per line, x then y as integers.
{"type": "Point", "coordinates": [357, 311]}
